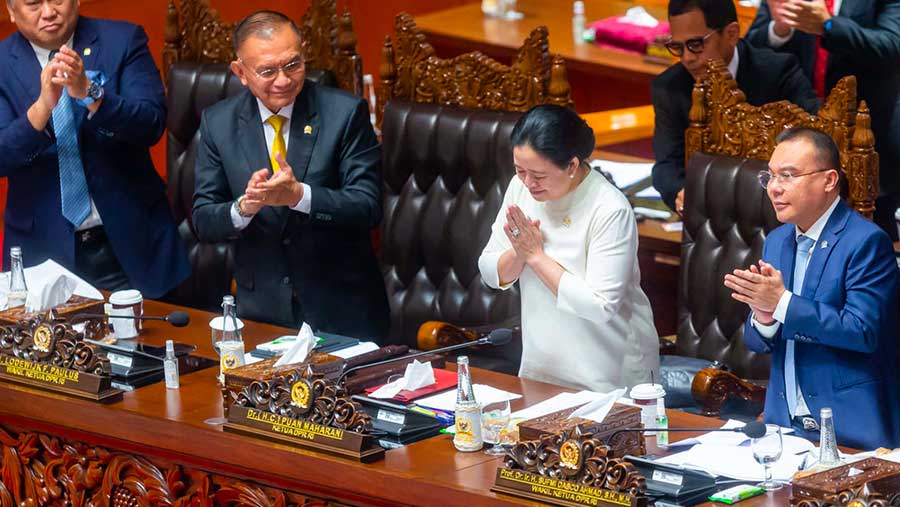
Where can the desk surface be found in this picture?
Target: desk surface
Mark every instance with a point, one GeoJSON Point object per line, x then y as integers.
{"type": "Point", "coordinates": [468, 23]}
{"type": "Point", "coordinates": [160, 424]}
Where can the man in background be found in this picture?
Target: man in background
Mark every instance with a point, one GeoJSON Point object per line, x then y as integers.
{"type": "Point", "coordinates": [823, 301]}
{"type": "Point", "coordinates": [292, 172]}
{"type": "Point", "coordinates": [703, 30]}
{"type": "Point", "coordinates": [837, 38]}
{"type": "Point", "coordinates": [81, 103]}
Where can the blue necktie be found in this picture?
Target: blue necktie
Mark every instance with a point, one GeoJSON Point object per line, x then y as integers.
{"type": "Point", "coordinates": [76, 201]}
{"type": "Point", "coordinates": [801, 260]}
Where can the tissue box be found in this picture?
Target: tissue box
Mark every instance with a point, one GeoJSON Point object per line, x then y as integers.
{"type": "Point", "coordinates": [75, 305]}
{"type": "Point", "coordinates": [242, 376]}
{"type": "Point", "coordinates": [620, 416]}
{"type": "Point", "coordinates": [877, 475]}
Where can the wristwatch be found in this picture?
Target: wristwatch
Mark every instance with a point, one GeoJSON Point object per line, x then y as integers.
{"type": "Point", "coordinates": [94, 93]}
{"type": "Point", "coordinates": [237, 207]}
{"type": "Point", "coordinates": [827, 26]}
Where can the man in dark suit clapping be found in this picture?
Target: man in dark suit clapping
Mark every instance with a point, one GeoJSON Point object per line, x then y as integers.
{"type": "Point", "coordinates": [291, 171]}
{"type": "Point", "coordinates": [702, 30]}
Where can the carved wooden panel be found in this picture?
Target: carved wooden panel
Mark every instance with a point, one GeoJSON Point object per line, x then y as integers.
{"type": "Point", "coordinates": [409, 69]}
{"type": "Point", "coordinates": [195, 32]}
{"type": "Point", "coordinates": [37, 470]}
{"type": "Point", "coordinates": [722, 122]}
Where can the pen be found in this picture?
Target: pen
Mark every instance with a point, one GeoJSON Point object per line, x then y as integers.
{"type": "Point", "coordinates": [440, 416]}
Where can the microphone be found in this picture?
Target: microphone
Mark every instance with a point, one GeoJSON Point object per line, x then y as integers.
{"type": "Point", "coordinates": [177, 318]}
{"type": "Point", "coordinates": [753, 429]}
{"type": "Point", "coordinates": [496, 338]}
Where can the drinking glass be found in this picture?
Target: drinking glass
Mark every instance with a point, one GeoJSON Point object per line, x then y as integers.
{"type": "Point", "coordinates": [767, 450]}
{"type": "Point", "coordinates": [494, 418]}
{"type": "Point", "coordinates": [221, 332]}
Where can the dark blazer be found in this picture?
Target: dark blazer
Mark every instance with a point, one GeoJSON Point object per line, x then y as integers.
{"type": "Point", "coordinates": [764, 77]}
{"type": "Point", "coordinates": [115, 142]}
{"type": "Point", "coordinates": [864, 42]}
{"type": "Point", "coordinates": [291, 266]}
{"type": "Point", "coordinates": [845, 330]}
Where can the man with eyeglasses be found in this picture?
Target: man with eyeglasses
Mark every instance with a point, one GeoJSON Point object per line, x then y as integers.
{"type": "Point", "coordinates": [824, 301]}
{"type": "Point", "coordinates": [833, 39]}
{"type": "Point", "coordinates": [291, 171]}
{"type": "Point", "coordinates": [81, 103]}
{"type": "Point", "coordinates": [704, 30]}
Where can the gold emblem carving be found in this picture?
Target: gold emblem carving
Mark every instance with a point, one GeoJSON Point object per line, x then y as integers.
{"type": "Point", "coordinates": [42, 338]}
{"type": "Point", "coordinates": [856, 503]}
{"type": "Point", "coordinates": [300, 392]}
{"type": "Point", "coordinates": [570, 455]}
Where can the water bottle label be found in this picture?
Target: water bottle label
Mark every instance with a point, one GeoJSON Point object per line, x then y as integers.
{"type": "Point", "coordinates": [468, 429]}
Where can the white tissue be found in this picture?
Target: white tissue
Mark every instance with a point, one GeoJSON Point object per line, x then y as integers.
{"type": "Point", "coordinates": [51, 291]}
{"type": "Point", "coordinates": [640, 17]}
{"type": "Point", "coordinates": [306, 341]}
{"type": "Point", "coordinates": [599, 408]}
{"type": "Point", "coordinates": [417, 375]}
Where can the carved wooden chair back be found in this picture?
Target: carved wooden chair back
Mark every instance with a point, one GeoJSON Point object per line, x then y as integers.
{"type": "Point", "coordinates": [195, 32]}
{"type": "Point", "coordinates": [722, 122]}
{"type": "Point", "coordinates": [410, 70]}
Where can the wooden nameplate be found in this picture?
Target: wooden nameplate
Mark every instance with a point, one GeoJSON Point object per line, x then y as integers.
{"type": "Point", "coordinates": [861, 483]}
{"type": "Point", "coordinates": [620, 416]}
{"type": "Point", "coordinates": [75, 305]}
{"type": "Point", "coordinates": [571, 470]}
{"type": "Point", "coordinates": [45, 352]}
{"type": "Point", "coordinates": [314, 414]}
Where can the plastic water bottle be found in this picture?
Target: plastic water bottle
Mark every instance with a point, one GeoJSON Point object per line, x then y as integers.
{"type": "Point", "coordinates": [828, 451]}
{"type": "Point", "coordinates": [18, 291]}
{"type": "Point", "coordinates": [662, 423]}
{"type": "Point", "coordinates": [468, 436]}
{"type": "Point", "coordinates": [170, 366]}
{"type": "Point", "coordinates": [578, 22]}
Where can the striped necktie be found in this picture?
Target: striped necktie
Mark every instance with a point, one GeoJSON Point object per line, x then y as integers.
{"type": "Point", "coordinates": [73, 189]}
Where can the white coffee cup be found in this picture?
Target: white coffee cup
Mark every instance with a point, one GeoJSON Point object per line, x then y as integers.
{"type": "Point", "coordinates": [126, 302]}
{"type": "Point", "coordinates": [645, 396]}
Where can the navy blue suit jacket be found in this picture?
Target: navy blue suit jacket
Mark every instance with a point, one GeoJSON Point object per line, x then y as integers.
{"type": "Point", "coordinates": [864, 42]}
{"type": "Point", "coordinates": [844, 326]}
{"type": "Point", "coordinates": [115, 142]}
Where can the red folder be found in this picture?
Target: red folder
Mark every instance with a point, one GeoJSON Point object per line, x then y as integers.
{"type": "Point", "coordinates": [444, 379]}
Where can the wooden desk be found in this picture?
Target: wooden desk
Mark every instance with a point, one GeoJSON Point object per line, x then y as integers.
{"type": "Point", "coordinates": [156, 439]}
{"type": "Point", "coordinates": [601, 78]}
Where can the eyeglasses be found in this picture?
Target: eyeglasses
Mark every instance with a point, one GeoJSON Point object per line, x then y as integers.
{"type": "Point", "coordinates": [291, 68]}
{"type": "Point", "coordinates": [694, 45]}
{"type": "Point", "coordinates": [786, 179]}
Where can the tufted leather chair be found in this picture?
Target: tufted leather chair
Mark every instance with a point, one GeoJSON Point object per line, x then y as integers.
{"type": "Point", "coordinates": [723, 231]}
{"type": "Point", "coordinates": [445, 172]}
{"type": "Point", "coordinates": [192, 87]}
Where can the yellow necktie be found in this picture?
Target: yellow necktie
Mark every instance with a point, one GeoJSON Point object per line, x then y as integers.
{"type": "Point", "coordinates": [277, 122]}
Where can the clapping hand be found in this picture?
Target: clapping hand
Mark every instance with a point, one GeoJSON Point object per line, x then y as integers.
{"type": "Point", "coordinates": [805, 15]}
{"type": "Point", "coordinates": [282, 189]}
{"type": "Point", "coordinates": [761, 288]}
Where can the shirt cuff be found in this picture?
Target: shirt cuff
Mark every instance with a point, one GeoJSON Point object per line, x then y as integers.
{"type": "Point", "coordinates": [774, 40]}
{"type": "Point", "coordinates": [240, 223]}
{"type": "Point", "coordinates": [780, 313]}
{"type": "Point", "coordinates": [767, 331]}
{"type": "Point", "coordinates": [305, 203]}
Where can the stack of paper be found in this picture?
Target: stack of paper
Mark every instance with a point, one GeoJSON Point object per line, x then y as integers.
{"type": "Point", "coordinates": [446, 401]}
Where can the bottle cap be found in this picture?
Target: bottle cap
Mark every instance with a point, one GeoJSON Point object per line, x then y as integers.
{"type": "Point", "coordinates": [14, 251]}
{"type": "Point", "coordinates": [170, 347]}
{"type": "Point", "coordinates": [462, 360]}
{"type": "Point", "coordinates": [825, 412]}
{"type": "Point", "coordinates": [578, 7]}
{"type": "Point", "coordinates": [228, 299]}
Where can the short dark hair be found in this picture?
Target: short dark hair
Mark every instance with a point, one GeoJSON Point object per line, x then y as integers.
{"type": "Point", "coordinates": [826, 150]}
{"type": "Point", "coordinates": [556, 133]}
{"type": "Point", "coordinates": [717, 13]}
{"type": "Point", "coordinates": [262, 24]}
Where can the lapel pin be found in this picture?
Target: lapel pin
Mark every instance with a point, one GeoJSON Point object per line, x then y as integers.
{"type": "Point", "coordinates": [824, 244]}
{"type": "Point", "coordinates": [307, 129]}
{"type": "Point", "coordinates": [87, 51]}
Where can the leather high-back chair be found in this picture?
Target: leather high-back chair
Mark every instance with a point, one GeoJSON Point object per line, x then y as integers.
{"type": "Point", "coordinates": [192, 87]}
{"type": "Point", "coordinates": [445, 172]}
{"type": "Point", "coordinates": [727, 215]}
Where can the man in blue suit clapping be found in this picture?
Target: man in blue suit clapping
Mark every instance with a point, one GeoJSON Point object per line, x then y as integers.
{"type": "Point", "coordinates": [823, 301]}
{"type": "Point", "coordinates": [81, 102]}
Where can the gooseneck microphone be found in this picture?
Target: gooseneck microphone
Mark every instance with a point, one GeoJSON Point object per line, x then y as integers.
{"type": "Point", "coordinates": [177, 318]}
{"type": "Point", "coordinates": [753, 429]}
{"type": "Point", "coordinates": [496, 338]}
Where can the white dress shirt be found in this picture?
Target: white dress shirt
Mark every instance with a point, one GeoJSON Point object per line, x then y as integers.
{"type": "Point", "coordinates": [598, 332]}
{"type": "Point", "coordinates": [780, 313]}
{"type": "Point", "coordinates": [776, 42]}
{"type": "Point", "coordinates": [43, 57]}
{"type": "Point", "coordinates": [733, 64]}
{"type": "Point", "coordinates": [287, 111]}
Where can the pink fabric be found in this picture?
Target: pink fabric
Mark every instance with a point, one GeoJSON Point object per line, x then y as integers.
{"type": "Point", "coordinates": [612, 32]}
